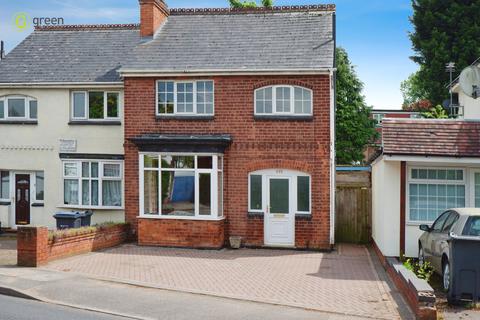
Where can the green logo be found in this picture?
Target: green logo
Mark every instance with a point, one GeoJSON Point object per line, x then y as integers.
{"type": "Point", "coordinates": [21, 21]}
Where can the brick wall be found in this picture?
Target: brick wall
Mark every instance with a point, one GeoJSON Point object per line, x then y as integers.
{"type": "Point", "coordinates": [34, 248]}
{"type": "Point", "coordinates": [257, 144]}
{"type": "Point", "coordinates": [181, 233]}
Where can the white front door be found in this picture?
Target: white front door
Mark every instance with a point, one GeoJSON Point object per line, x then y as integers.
{"type": "Point", "coordinates": [280, 218]}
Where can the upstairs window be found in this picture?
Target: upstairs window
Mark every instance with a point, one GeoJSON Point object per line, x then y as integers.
{"type": "Point", "coordinates": [185, 97]}
{"type": "Point", "coordinates": [283, 100]}
{"type": "Point", "coordinates": [95, 105]}
{"type": "Point", "coordinates": [18, 108]}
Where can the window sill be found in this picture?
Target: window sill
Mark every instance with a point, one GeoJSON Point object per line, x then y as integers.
{"type": "Point", "coordinates": [95, 123]}
{"type": "Point", "coordinates": [5, 203]}
{"type": "Point", "coordinates": [37, 204]}
{"type": "Point", "coordinates": [254, 214]}
{"type": "Point", "coordinates": [303, 216]}
{"type": "Point", "coordinates": [282, 118]}
{"type": "Point", "coordinates": [186, 118]}
{"type": "Point", "coordinates": [180, 218]}
{"type": "Point", "coordinates": [67, 206]}
{"type": "Point", "coordinates": [34, 122]}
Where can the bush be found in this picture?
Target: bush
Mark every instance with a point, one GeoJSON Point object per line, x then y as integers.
{"type": "Point", "coordinates": [424, 271]}
{"type": "Point", "coordinates": [56, 234]}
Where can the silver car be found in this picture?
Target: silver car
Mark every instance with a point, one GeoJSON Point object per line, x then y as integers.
{"type": "Point", "coordinates": [435, 244]}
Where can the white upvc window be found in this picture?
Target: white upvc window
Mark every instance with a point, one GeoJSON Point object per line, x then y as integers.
{"type": "Point", "coordinates": [18, 107]}
{"type": "Point", "coordinates": [39, 187]}
{"type": "Point", "coordinates": [93, 184]}
{"type": "Point", "coordinates": [189, 98]}
{"type": "Point", "coordinates": [95, 105]}
{"type": "Point", "coordinates": [302, 185]}
{"type": "Point", "coordinates": [4, 185]}
{"type": "Point", "coordinates": [283, 100]}
{"type": "Point", "coordinates": [181, 186]}
{"type": "Point", "coordinates": [433, 190]}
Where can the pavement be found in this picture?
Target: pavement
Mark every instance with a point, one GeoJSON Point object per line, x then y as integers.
{"type": "Point", "coordinates": [166, 283]}
{"type": "Point", "coordinates": [346, 282]}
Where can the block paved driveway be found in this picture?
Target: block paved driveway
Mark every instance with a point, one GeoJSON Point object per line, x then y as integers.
{"type": "Point", "coordinates": [348, 281]}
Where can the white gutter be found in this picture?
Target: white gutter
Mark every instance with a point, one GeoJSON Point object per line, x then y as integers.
{"type": "Point", "coordinates": [62, 85]}
{"type": "Point", "coordinates": [332, 157]}
{"type": "Point", "coordinates": [226, 72]}
{"type": "Point", "coordinates": [432, 159]}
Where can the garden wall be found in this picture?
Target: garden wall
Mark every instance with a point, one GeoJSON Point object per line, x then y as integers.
{"type": "Point", "coordinates": [36, 247]}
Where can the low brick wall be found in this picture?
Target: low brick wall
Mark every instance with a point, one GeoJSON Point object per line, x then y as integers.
{"type": "Point", "coordinates": [181, 233]}
{"type": "Point", "coordinates": [34, 248]}
{"type": "Point", "coordinates": [417, 292]}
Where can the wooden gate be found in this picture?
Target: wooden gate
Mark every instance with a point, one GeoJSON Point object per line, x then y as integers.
{"type": "Point", "coordinates": [353, 219]}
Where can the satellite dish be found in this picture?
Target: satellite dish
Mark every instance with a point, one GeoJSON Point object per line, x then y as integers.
{"type": "Point", "coordinates": [470, 81]}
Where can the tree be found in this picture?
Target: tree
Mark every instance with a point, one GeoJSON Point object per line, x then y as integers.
{"type": "Point", "coordinates": [437, 112]}
{"type": "Point", "coordinates": [355, 129]}
{"type": "Point", "coordinates": [412, 91]}
{"type": "Point", "coordinates": [249, 4]}
{"type": "Point", "coordinates": [443, 31]}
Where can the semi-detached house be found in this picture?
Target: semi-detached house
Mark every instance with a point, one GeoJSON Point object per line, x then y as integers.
{"type": "Point", "coordinates": [195, 125]}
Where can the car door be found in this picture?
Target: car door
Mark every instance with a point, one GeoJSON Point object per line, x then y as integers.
{"type": "Point", "coordinates": [443, 236]}
{"type": "Point", "coordinates": [434, 236]}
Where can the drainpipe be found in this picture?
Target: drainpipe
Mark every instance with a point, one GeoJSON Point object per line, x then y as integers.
{"type": "Point", "coordinates": [333, 107]}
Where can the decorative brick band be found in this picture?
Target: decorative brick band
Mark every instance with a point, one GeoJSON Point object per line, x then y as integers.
{"type": "Point", "coordinates": [89, 27]}
{"type": "Point", "coordinates": [292, 82]}
{"type": "Point", "coordinates": [275, 9]}
{"type": "Point", "coordinates": [282, 164]}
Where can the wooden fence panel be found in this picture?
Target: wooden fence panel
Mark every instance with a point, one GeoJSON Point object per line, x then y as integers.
{"type": "Point", "coordinates": [353, 220]}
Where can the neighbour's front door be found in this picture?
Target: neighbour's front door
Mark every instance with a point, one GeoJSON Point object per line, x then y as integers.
{"type": "Point", "coordinates": [22, 198]}
{"type": "Point", "coordinates": [280, 218]}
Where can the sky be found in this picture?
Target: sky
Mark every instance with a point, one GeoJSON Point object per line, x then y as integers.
{"type": "Point", "coordinates": [374, 33]}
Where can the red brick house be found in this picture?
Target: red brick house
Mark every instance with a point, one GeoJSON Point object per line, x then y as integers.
{"type": "Point", "coordinates": [229, 127]}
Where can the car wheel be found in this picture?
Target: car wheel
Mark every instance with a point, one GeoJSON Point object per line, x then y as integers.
{"type": "Point", "coordinates": [446, 276]}
{"type": "Point", "coordinates": [421, 256]}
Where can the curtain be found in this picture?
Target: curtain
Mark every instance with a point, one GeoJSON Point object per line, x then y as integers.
{"type": "Point", "coordinates": [70, 191]}
{"type": "Point", "coordinates": [112, 193]}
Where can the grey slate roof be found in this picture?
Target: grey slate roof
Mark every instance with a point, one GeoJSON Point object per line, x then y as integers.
{"type": "Point", "coordinates": [245, 41]}
{"type": "Point", "coordinates": [91, 54]}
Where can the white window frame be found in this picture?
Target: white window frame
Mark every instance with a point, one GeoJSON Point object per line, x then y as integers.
{"type": "Point", "coordinates": [217, 166]}
{"type": "Point", "coordinates": [9, 186]}
{"type": "Point", "coordinates": [175, 111]}
{"type": "Point", "coordinates": [274, 101]}
{"type": "Point", "coordinates": [293, 175]}
{"type": "Point", "coordinates": [79, 178]}
{"type": "Point", "coordinates": [26, 106]}
{"type": "Point", "coordinates": [410, 180]}
{"type": "Point", "coordinates": [34, 188]}
{"type": "Point", "coordinates": [87, 105]}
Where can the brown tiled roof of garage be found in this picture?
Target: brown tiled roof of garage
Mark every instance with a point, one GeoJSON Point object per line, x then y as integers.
{"type": "Point", "coordinates": [454, 138]}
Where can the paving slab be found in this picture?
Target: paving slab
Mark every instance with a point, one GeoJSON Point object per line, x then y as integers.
{"type": "Point", "coordinates": [345, 282]}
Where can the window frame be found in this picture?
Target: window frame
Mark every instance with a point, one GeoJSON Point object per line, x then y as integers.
{"type": "Point", "coordinates": [175, 113]}
{"type": "Point", "coordinates": [34, 195]}
{"type": "Point", "coordinates": [274, 101]}
{"type": "Point", "coordinates": [8, 187]}
{"type": "Point", "coordinates": [293, 175]}
{"type": "Point", "coordinates": [26, 107]}
{"type": "Point", "coordinates": [409, 180]}
{"type": "Point", "coordinates": [217, 167]}
{"type": "Point", "coordinates": [87, 105]}
{"type": "Point", "coordinates": [100, 178]}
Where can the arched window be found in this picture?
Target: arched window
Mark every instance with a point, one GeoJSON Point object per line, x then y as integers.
{"type": "Point", "coordinates": [18, 107]}
{"type": "Point", "coordinates": [283, 100]}
{"type": "Point", "coordinates": [299, 189]}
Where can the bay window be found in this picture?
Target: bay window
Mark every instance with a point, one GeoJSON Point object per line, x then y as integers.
{"type": "Point", "coordinates": [18, 108]}
{"type": "Point", "coordinates": [185, 97]}
{"type": "Point", "coordinates": [95, 105]}
{"type": "Point", "coordinates": [433, 190]}
{"type": "Point", "coordinates": [181, 185]}
{"type": "Point", "coordinates": [283, 100]}
{"type": "Point", "coordinates": [96, 184]}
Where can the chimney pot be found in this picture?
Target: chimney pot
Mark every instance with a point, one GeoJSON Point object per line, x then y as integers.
{"type": "Point", "coordinates": [153, 14]}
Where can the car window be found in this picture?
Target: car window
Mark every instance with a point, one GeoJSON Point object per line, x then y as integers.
{"type": "Point", "coordinates": [452, 218]}
{"type": "Point", "coordinates": [438, 224]}
{"type": "Point", "coordinates": [472, 227]}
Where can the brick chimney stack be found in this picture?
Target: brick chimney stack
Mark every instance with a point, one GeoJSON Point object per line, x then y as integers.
{"type": "Point", "coordinates": [153, 14]}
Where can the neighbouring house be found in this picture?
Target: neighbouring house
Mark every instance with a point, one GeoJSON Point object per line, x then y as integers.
{"type": "Point", "coordinates": [378, 115]}
{"type": "Point", "coordinates": [425, 166]}
{"type": "Point", "coordinates": [229, 126]}
{"type": "Point", "coordinates": [196, 125]}
{"type": "Point", "coordinates": [61, 124]}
